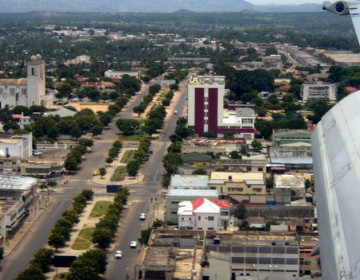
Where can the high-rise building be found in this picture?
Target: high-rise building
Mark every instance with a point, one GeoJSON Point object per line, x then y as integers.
{"type": "Point", "coordinates": [206, 109]}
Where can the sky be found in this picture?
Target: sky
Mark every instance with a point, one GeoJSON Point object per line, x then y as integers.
{"type": "Point", "coordinates": [284, 2]}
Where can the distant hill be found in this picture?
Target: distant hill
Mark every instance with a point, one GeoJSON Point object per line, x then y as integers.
{"type": "Point", "coordinates": [180, 6]}
{"type": "Point", "coordinates": [12, 6]}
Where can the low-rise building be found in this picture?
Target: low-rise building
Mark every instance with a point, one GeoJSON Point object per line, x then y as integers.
{"type": "Point", "coordinates": [175, 196]}
{"type": "Point", "coordinates": [244, 187]}
{"type": "Point", "coordinates": [192, 182]}
{"type": "Point", "coordinates": [204, 214]}
{"type": "Point", "coordinates": [117, 75]}
{"type": "Point", "coordinates": [15, 145]}
{"type": "Point", "coordinates": [17, 194]}
{"type": "Point", "coordinates": [288, 188]}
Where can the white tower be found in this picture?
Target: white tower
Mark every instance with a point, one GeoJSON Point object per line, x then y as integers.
{"type": "Point", "coordinates": [35, 80]}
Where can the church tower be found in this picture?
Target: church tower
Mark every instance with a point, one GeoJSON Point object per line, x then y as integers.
{"type": "Point", "coordinates": [35, 80]}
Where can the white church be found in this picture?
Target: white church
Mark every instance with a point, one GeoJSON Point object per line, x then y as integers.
{"type": "Point", "coordinates": [26, 91]}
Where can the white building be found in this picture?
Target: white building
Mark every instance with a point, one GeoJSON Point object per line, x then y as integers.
{"type": "Point", "coordinates": [29, 91]}
{"type": "Point", "coordinates": [16, 145]}
{"type": "Point", "coordinates": [118, 74]}
{"type": "Point", "coordinates": [206, 109]}
{"type": "Point", "coordinates": [203, 214]}
{"type": "Point", "coordinates": [16, 197]}
{"type": "Point", "coordinates": [318, 90]}
{"type": "Point", "coordinates": [287, 188]}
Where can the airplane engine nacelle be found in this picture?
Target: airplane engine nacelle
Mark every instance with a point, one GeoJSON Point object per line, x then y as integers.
{"type": "Point", "coordinates": [339, 8]}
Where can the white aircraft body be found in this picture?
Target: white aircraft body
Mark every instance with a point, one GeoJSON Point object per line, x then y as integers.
{"type": "Point", "coordinates": [336, 156]}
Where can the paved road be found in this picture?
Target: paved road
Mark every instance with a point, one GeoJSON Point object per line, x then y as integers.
{"type": "Point", "coordinates": [140, 201]}
{"type": "Point", "coordinates": [37, 236]}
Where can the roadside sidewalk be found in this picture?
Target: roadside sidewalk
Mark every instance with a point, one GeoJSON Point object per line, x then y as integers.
{"type": "Point", "coordinates": [36, 210]}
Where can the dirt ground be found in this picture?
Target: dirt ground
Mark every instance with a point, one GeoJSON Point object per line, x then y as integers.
{"type": "Point", "coordinates": [94, 107]}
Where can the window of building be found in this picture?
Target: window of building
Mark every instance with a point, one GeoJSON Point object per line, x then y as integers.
{"type": "Point", "coordinates": [1, 90]}
{"type": "Point", "coordinates": [182, 218]}
{"type": "Point", "coordinates": [175, 202]}
{"type": "Point", "coordinates": [199, 218]}
{"type": "Point", "coordinates": [189, 219]}
{"type": "Point", "coordinates": [206, 99]}
{"type": "Point", "coordinates": [260, 169]}
{"type": "Point", "coordinates": [12, 91]}
{"type": "Point", "coordinates": [23, 91]}
{"type": "Point", "coordinates": [32, 71]}
{"type": "Point", "coordinates": [248, 168]}
{"type": "Point", "coordinates": [174, 212]}
{"type": "Point", "coordinates": [210, 218]}
{"type": "Point", "coordinates": [257, 189]}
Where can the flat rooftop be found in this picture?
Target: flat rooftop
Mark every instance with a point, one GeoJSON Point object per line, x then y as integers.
{"type": "Point", "coordinates": [237, 176]}
{"type": "Point", "coordinates": [16, 182]}
{"type": "Point", "coordinates": [189, 181]}
{"type": "Point", "coordinates": [193, 193]}
{"type": "Point", "coordinates": [207, 80]}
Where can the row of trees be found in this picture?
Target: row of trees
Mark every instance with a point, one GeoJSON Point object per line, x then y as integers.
{"type": "Point", "coordinates": [62, 229]}
{"type": "Point", "coordinates": [76, 154]}
{"type": "Point", "coordinates": [165, 101]}
{"type": "Point", "coordinates": [133, 166]}
{"type": "Point", "coordinates": [153, 89]}
{"type": "Point", "coordinates": [107, 226]}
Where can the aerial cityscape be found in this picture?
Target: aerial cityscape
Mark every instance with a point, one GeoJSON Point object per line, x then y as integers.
{"type": "Point", "coordinates": [179, 140]}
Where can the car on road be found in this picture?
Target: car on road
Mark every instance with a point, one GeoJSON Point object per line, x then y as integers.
{"type": "Point", "coordinates": [118, 254]}
{"type": "Point", "coordinates": [142, 216]}
{"type": "Point", "coordinates": [133, 244]}
{"type": "Point", "coordinates": [175, 112]}
{"type": "Point", "coordinates": [36, 153]}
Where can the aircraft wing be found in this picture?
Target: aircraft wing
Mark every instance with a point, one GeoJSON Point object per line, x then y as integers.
{"type": "Point", "coordinates": [354, 9]}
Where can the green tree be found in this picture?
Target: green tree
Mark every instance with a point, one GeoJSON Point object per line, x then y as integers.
{"type": "Point", "coordinates": [210, 134]}
{"type": "Point", "coordinates": [229, 136]}
{"type": "Point", "coordinates": [31, 273]}
{"type": "Point", "coordinates": [171, 162]}
{"type": "Point", "coordinates": [199, 171]}
{"type": "Point", "coordinates": [127, 126]}
{"type": "Point", "coordinates": [256, 144]}
{"type": "Point", "coordinates": [102, 237]}
{"type": "Point", "coordinates": [86, 142]}
{"type": "Point", "coordinates": [102, 171]}
{"type": "Point", "coordinates": [145, 235]}
{"type": "Point", "coordinates": [109, 160]}
{"type": "Point", "coordinates": [235, 155]}
{"type": "Point", "coordinates": [132, 168]}
{"type": "Point", "coordinates": [71, 216]}
{"type": "Point", "coordinates": [1, 253]}
{"type": "Point", "coordinates": [56, 240]}
{"type": "Point", "coordinates": [269, 182]}
{"type": "Point", "coordinates": [43, 258]}
{"type": "Point", "coordinates": [11, 125]}
{"type": "Point", "coordinates": [241, 212]}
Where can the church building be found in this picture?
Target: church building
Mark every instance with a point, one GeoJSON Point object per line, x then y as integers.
{"type": "Point", "coordinates": [26, 91]}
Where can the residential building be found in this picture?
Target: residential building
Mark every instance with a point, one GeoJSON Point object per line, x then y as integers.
{"type": "Point", "coordinates": [318, 90]}
{"type": "Point", "coordinates": [16, 197]}
{"type": "Point", "coordinates": [197, 159]}
{"type": "Point", "coordinates": [29, 91]}
{"type": "Point", "coordinates": [175, 196]}
{"type": "Point", "coordinates": [204, 214]}
{"type": "Point", "coordinates": [245, 187]}
{"type": "Point", "coordinates": [206, 109]}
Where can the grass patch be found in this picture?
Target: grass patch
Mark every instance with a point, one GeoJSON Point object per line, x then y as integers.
{"type": "Point", "coordinates": [128, 156]}
{"type": "Point", "coordinates": [119, 174]}
{"type": "Point", "coordinates": [100, 209]}
{"type": "Point", "coordinates": [83, 241]}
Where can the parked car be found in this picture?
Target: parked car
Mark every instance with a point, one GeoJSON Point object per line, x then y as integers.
{"type": "Point", "coordinates": [133, 244]}
{"type": "Point", "coordinates": [96, 172]}
{"type": "Point", "coordinates": [142, 216]}
{"type": "Point", "coordinates": [118, 254]}
{"type": "Point", "coordinates": [36, 153]}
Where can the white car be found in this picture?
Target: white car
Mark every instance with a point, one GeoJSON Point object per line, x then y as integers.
{"type": "Point", "coordinates": [133, 244]}
{"type": "Point", "coordinates": [142, 216]}
{"type": "Point", "coordinates": [35, 153]}
{"type": "Point", "coordinates": [118, 254]}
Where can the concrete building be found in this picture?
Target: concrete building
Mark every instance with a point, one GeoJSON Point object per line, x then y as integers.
{"type": "Point", "coordinates": [175, 196]}
{"type": "Point", "coordinates": [288, 188]}
{"type": "Point", "coordinates": [318, 90]}
{"type": "Point", "coordinates": [204, 214]}
{"type": "Point", "coordinates": [192, 182]}
{"type": "Point", "coordinates": [251, 255]}
{"type": "Point", "coordinates": [206, 109]}
{"type": "Point", "coordinates": [291, 150]}
{"type": "Point", "coordinates": [245, 187]}
{"type": "Point", "coordinates": [118, 74]}
{"type": "Point", "coordinates": [29, 91]}
{"type": "Point", "coordinates": [15, 145]}
{"type": "Point", "coordinates": [16, 196]}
